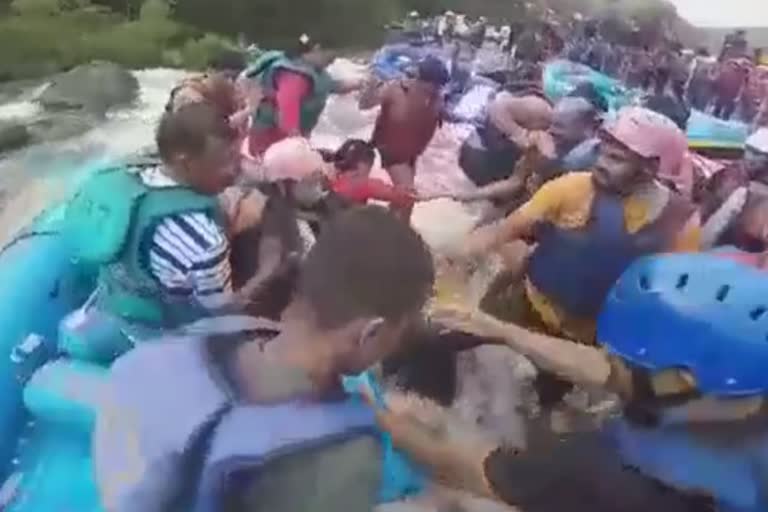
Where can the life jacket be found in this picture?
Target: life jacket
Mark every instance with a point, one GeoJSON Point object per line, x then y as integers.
{"type": "Point", "coordinates": [577, 267]}
{"type": "Point", "coordinates": [191, 456]}
{"type": "Point", "coordinates": [703, 313]}
{"type": "Point", "coordinates": [265, 70]}
{"type": "Point", "coordinates": [109, 222]}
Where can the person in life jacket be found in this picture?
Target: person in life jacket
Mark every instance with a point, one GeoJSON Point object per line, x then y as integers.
{"type": "Point", "coordinates": [290, 186]}
{"type": "Point", "coordinates": [734, 200]}
{"type": "Point", "coordinates": [258, 414]}
{"type": "Point", "coordinates": [573, 147]}
{"type": "Point", "coordinates": [296, 87]}
{"type": "Point", "coordinates": [691, 385]}
{"type": "Point", "coordinates": [588, 228]}
{"type": "Point", "coordinates": [163, 239]}
{"type": "Point", "coordinates": [411, 111]}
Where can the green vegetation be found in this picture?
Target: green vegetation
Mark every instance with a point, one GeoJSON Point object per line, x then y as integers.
{"type": "Point", "coordinates": [38, 37]}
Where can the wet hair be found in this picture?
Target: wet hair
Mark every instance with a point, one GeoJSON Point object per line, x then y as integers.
{"type": "Point", "coordinates": [366, 263]}
{"type": "Point", "coordinates": [350, 154]}
{"type": "Point", "coordinates": [230, 61]}
{"type": "Point", "coordinates": [187, 130]}
{"type": "Point", "coordinates": [433, 71]}
{"type": "Point", "coordinates": [302, 45]}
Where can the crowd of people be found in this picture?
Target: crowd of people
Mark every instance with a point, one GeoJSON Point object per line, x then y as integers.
{"type": "Point", "coordinates": [733, 85]}
{"type": "Point", "coordinates": [264, 276]}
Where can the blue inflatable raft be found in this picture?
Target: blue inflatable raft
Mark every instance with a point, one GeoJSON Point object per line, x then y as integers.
{"type": "Point", "coordinates": [48, 399]}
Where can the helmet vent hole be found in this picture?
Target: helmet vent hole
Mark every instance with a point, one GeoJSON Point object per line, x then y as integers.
{"type": "Point", "coordinates": [645, 283]}
{"type": "Point", "coordinates": [682, 281]}
{"type": "Point", "coordinates": [756, 313]}
{"type": "Point", "coordinates": [722, 292]}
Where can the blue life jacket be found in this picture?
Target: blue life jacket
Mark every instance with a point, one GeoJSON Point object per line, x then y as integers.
{"type": "Point", "coordinates": [577, 267]}
{"type": "Point", "coordinates": [400, 477]}
{"type": "Point", "coordinates": [216, 435]}
{"type": "Point", "coordinates": [704, 313]}
{"type": "Point", "coordinates": [193, 433]}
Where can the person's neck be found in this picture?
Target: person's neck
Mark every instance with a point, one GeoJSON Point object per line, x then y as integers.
{"type": "Point", "coordinates": [294, 348]}
{"type": "Point", "coordinates": [173, 174]}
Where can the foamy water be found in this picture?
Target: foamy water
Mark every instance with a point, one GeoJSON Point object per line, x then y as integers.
{"type": "Point", "coordinates": [37, 176]}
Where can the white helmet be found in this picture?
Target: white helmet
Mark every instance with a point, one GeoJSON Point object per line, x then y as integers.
{"type": "Point", "coordinates": [413, 14]}
{"type": "Point", "coordinates": [758, 141]}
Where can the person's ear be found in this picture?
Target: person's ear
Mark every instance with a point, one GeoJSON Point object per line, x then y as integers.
{"type": "Point", "coordinates": [370, 332]}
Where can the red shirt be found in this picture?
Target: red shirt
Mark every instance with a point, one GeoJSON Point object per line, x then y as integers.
{"type": "Point", "coordinates": [361, 191]}
{"type": "Point", "coordinates": [290, 90]}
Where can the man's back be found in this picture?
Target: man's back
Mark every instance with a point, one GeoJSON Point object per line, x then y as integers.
{"type": "Point", "coordinates": [148, 475]}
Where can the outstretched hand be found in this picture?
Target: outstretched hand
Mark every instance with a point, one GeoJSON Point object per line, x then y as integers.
{"type": "Point", "coordinates": [467, 319]}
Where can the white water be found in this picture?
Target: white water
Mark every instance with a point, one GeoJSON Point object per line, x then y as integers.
{"type": "Point", "coordinates": [37, 176]}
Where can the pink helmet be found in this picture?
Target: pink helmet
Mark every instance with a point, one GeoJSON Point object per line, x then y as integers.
{"type": "Point", "coordinates": [653, 135]}
{"type": "Point", "coordinates": [291, 159]}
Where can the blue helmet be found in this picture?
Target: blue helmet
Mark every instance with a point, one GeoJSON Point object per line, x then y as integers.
{"type": "Point", "coordinates": [704, 313]}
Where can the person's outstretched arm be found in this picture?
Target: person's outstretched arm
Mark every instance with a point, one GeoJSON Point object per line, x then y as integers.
{"type": "Point", "coordinates": [580, 364]}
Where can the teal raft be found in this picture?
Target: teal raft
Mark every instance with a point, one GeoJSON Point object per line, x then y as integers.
{"type": "Point", "coordinates": [52, 378]}
{"type": "Point", "coordinates": [704, 131]}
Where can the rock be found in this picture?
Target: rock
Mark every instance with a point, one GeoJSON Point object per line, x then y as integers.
{"type": "Point", "coordinates": [95, 87]}
{"type": "Point", "coordinates": [60, 125]}
{"type": "Point", "coordinates": [13, 136]}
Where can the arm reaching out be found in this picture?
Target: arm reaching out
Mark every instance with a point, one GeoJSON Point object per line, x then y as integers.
{"type": "Point", "coordinates": [580, 364]}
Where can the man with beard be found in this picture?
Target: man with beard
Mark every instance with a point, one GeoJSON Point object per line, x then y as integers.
{"type": "Point", "coordinates": [588, 228]}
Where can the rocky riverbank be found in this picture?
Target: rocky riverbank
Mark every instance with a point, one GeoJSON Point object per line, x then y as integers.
{"type": "Point", "coordinates": [66, 105]}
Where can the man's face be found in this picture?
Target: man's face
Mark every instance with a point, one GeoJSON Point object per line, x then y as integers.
{"type": "Point", "coordinates": [568, 129]}
{"type": "Point", "coordinates": [618, 169]}
{"type": "Point", "coordinates": [215, 169]}
{"type": "Point", "coordinates": [756, 164]}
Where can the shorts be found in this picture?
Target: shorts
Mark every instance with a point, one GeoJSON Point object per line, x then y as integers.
{"type": "Point", "coordinates": [483, 166]}
{"type": "Point", "coordinates": [580, 472]}
{"type": "Point", "coordinates": [389, 160]}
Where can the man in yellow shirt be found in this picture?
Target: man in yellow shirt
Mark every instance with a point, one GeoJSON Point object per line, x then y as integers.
{"type": "Point", "coordinates": [590, 226]}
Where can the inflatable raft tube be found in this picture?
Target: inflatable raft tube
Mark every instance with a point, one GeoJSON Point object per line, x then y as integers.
{"type": "Point", "coordinates": [48, 399]}
{"type": "Point", "coordinates": [39, 459]}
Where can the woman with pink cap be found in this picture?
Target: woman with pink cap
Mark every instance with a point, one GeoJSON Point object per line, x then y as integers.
{"type": "Point", "coordinates": [590, 226]}
{"type": "Point", "coordinates": [291, 177]}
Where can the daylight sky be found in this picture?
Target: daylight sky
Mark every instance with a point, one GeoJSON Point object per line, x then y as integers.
{"type": "Point", "coordinates": [724, 13]}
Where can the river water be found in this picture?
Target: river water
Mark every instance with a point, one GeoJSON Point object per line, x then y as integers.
{"type": "Point", "coordinates": [35, 177]}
